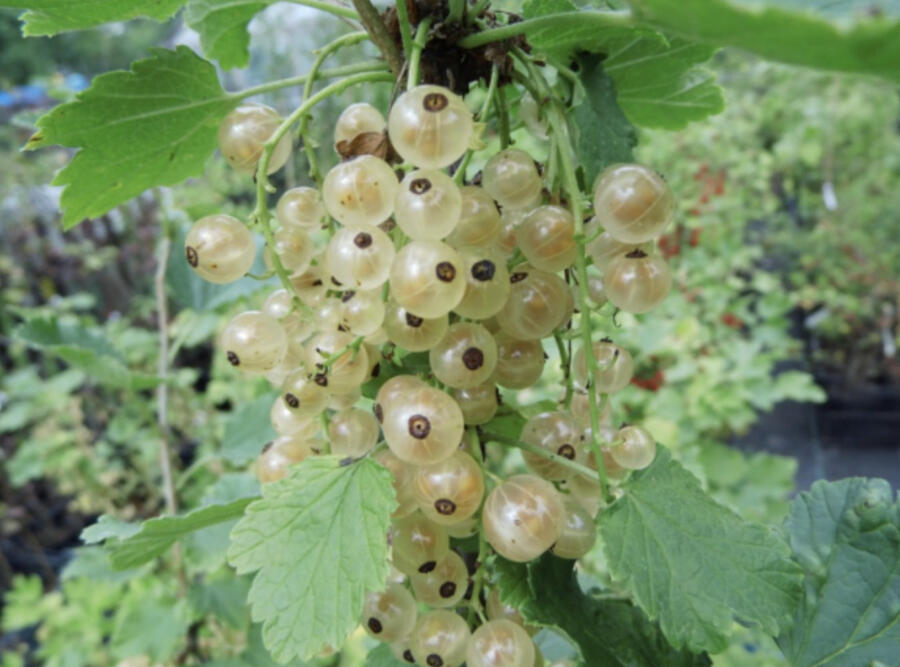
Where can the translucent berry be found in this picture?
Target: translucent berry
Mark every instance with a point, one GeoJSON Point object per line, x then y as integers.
{"type": "Point", "coordinates": [356, 119]}
{"type": "Point", "coordinates": [636, 450]}
{"type": "Point", "coordinates": [450, 491]}
{"type": "Point", "coordinates": [418, 544]}
{"type": "Point", "coordinates": [389, 615]}
{"type": "Point", "coordinates": [360, 191]}
{"type": "Point", "coordinates": [614, 367]}
{"type": "Point", "coordinates": [637, 282]}
{"type": "Point", "coordinates": [632, 202]}
{"type": "Point", "coordinates": [430, 126]}
{"type": "Point", "coordinates": [359, 257]}
{"type": "Point", "coordinates": [423, 425]}
{"type": "Point", "coordinates": [352, 432]}
{"type": "Point", "coordinates": [579, 532]}
{"type": "Point", "coordinates": [465, 356]}
{"type": "Point", "coordinates": [300, 208]}
{"type": "Point", "coordinates": [444, 585]}
{"type": "Point", "coordinates": [547, 238]}
{"type": "Point", "coordinates": [243, 133]}
{"type": "Point", "coordinates": [487, 284]}
{"type": "Point", "coordinates": [411, 332]}
{"type": "Point", "coordinates": [500, 643]}
{"type": "Point", "coordinates": [536, 305]}
{"type": "Point", "coordinates": [512, 179]}
{"type": "Point", "coordinates": [427, 278]}
{"type": "Point", "coordinates": [283, 452]}
{"type": "Point", "coordinates": [478, 404]}
{"type": "Point", "coordinates": [219, 248]}
{"type": "Point", "coordinates": [428, 205]}
{"type": "Point", "coordinates": [479, 221]}
{"type": "Point", "coordinates": [440, 639]}
{"type": "Point", "coordinates": [520, 363]}
{"type": "Point", "coordinates": [522, 517]}
{"type": "Point", "coordinates": [254, 342]}
{"type": "Point", "coordinates": [555, 433]}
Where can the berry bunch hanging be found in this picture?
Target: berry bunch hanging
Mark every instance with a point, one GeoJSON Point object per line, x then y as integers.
{"type": "Point", "coordinates": [381, 262]}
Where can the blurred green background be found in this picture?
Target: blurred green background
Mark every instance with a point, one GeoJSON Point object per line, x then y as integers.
{"type": "Point", "coordinates": [772, 363]}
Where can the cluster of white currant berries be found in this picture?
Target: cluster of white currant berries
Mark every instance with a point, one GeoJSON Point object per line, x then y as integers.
{"type": "Point", "coordinates": [474, 276]}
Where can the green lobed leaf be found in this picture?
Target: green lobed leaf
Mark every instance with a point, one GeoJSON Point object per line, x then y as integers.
{"type": "Point", "coordinates": [49, 17]}
{"type": "Point", "coordinates": [381, 656]}
{"type": "Point", "coordinates": [222, 25]}
{"type": "Point", "coordinates": [248, 430]}
{"type": "Point", "coordinates": [692, 563]}
{"type": "Point", "coordinates": [846, 537]}
{"type": "Point", "coordinates": [603, 134]}
{"type": "Point", "coordinates": [607, 632]}
{"type": "Point", "coordinates": [149, 627]}
{"type": "Point", "coordinates": [108, 527]}
{"type": "Point", "coordinates": [869, 46]}
{"type": "Point", "coordinates": [317, 541]}
{"type": "Point", "coordinates": [153, 125]}
{"type": "Point", "coordinates": [157, 535]}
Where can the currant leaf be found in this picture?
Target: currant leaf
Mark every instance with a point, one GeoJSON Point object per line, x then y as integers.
{"type": "Point", "coordinates": [49, 17]}
{"type": "Point", "coordinates": [846, 537]}
{"type": "Point", "coordinates": [222, 26]}
{"type": "Point", "coordinates": [694, 564]}
{"type": "Point", "coordinates": [153, 125]}
{"type": "Point", "coordinates": [248, 430]}
{"type": "Point", "coordinates": [608, 633]}
{"type": "Point", "coordinates": [868, 46]}
{"type": "Point", "coordinates": [316, 541]}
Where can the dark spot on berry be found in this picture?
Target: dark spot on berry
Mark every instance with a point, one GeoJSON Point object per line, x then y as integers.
{"type": "Point", "coordinates": [376, 370]}
{"type": "Point", "coordinates": [566, 451]}
{"type": "Point", "coordinates": [447, 589]}
{"type": "Point", "coordinates": [336, 282]}
{"type": "Point", "coordinates": [321, 379]}
{"type": "Point", "coordinates": [435, 102]}
{"type": "Point", "coordinates": [419, 426]}
{"type": "Point", "coordinates": [637, 253]}
{"type": "Point", "coordinates": [267, 447]}
{"type": "Point", "coordinates": [346, 296]}
{"type": "Point", "coordinates": [413, 321]}
{"type": "Point", "coordinates": [483, 270]}
{"type": "Point", "coordinates": [374, 625]}
{"type": "Point", "coordinates": [518, 276]}
{"type": "Point", "coordinates": [191, 256]}
{"type": "Point", "coordinates": [408, 656]}
{"type": "Point", "coordinates": [317, 283]}
{"type": "Point", "coordinates": [445, 271]}
{"type": "Point", "coordinates": [434, 660]}
{"type": "Point", "coordinates": [473, 358]}
{"type": "Point", "coordinates": [378, 412]}
{"type": "Point", "coordinates": [292, 400]}
{"type": "Point", "coordinates": [420, 186]}
{"type": "Point", "coordinates": [362, 240]}
{"type": "Point", "coordinates": [445, 506]}
{"type": "Point", "coordinates": [427, 566]}
{"type": "Point", "coordinates": [345, 462]}
{"type": "Point", "coordinates": [233, 359]}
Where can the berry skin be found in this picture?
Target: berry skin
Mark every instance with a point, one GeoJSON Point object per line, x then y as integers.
{"type": "Point", "coordinates": [637, 282]}
{"type": "Point", "coordinates": [440, 639]}
{"type": "Point", "coordinates": [444, 585]}
{"type": "Point", "coordinates": [360, 191]}
{"type": "Point", "coordinates": [427, 278]}
{"type": "Point", "coordinates": [243, 133]}
{"type": "Point", "coordinates": [633, 203]}
{"type": "Point", "coordinates": [347, 372]}
{"type": "Point", "coordinates": [401, 479]}
{"type": "Point", "coordinates": [500, 643]}
{"type": "Point", "coordinates": [286, 421]}
{"type": "Point", "coordinates": [637, 449]}
{"type": "Point", "coordinates": [303, 395]}
{"type": "Point", "coordinates": [428, 205]}
{"type": "Point", "coordinates": [522, 517]}
{"type": "Point", "coordinates": [487, 284]}
{"type": "Point", "coordinates": [450, 492]}
{"type": "Point", "coordinates": [418, 544]}
{"type": "Point", "coordinates": [410, 332]}
{"type": "Point", "coordinates": [614, 367]}
{"type": "Point", "coordinates": [547, 238]}
{"type": "Point", "coordinates": [389, 615]}
{"type": "Point", "coordinates": [465, 356]}
{"type": "Point", "coordinates": [361, 312]}
{"type": "Point", "coordinates": [520, 363]}
{"type": "Point", "coordinates": [479, 220]}
{"type": "Point", "coordinates": [294, 248]}
{"type": "Point", "coordinates": [423, 425]}
{"type": "Point", "coordinates": [496, 610]}
{"type": "Point", "coordinates": [536, 305]}
{"type": "Point", "coordinates": [254, 342]}
{"type": "Point", "coordinates": [579, 532]}
{"type": "Point", "coordinates": [512, 179]}
{"type": "Point", "coordinates": [281, 454]}
{"type": "Point", "coordinates": [478, 404]}
{"type": "Point", "coordinates": [300, 208]}
{"type": "Point", "coordinates": [219, 248]}
{"type": "Point", "coordinates": [359, 257]}
{"type": "Point", "coordinates": [356, 119]}
{"type": "Point", "coordinates": [604, 248]}
{"type": "Point", "coordinates": [352, 432]}
{"type": "Point", "coordinates": [556, 433]}
{"type": "Point", "coordinates": [430, 126]}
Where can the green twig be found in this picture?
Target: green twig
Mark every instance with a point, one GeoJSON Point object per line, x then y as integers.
{"type": "Point", "coordinates": [502, 117]}
{"type": "Point", "coordinates": [406, 36]}
{"type": "Point", "coordinates": [553, 21]}
{"type": "Point", "coordinates": [415, 57]}
{"type": "Point", "coordinates": [565, 366]}
{"type": "Point", "coordinates": [477, 9]}
{"type": "Point", "coordinates": [460, 173]}
{"type": "Point", "coordinates": [308, 147]}
{"type": "Point", "coordinates": [478, 582]}
{"type": "Point", "coordinates": [337, 10]}
{"type": "Point", "coordinates": [457, 9]}
{"type": "Point", "coordinates": [337, 72]}
{"type": "Point", "coordinates": [371, 20]}
{"type": "Point", "coordinates": [550, 456]}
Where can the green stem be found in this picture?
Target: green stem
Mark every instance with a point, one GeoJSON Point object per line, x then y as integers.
{"type": "Point", "coordinates": [457, 8]}
{"type": "Point", "coordinates": [337, 10]}
{"type": "Point", "coordinates": [415, 57]}
{"type": "Point", "coordinates": [261, 213]}
{"type": "Point", "coordinates": [550, 456]}
{"type": "Point", "coordinates": [565, 366]}
{"type": "Point", "coordinates": [460, 174]}
{"type": "Point", "coordinates": [478, 8]}
{"type": "Point", "coordinates": [353, 346]}
{"type": "Point", "coordinates": [337, 72]}
{"type": "Point", "coordinates": [502, 117]}
{"type": "Point", "coordinates": [371, 20]}
{"type": "Point", "coordinates": [308, 147]}
{"type": "Point", "coordinates": [478, 583]}
{"type": "Point", "coordinates": [406, 36]}
{"type": "Point", "coordinates": [559, 128]}
{"type": "Point", "coordinates": [553, 21]}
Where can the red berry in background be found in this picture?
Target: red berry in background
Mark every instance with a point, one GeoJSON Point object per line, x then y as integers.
{"type": "Point", "coordinates": [732, 320]}
{"type": "Point", "coordinates": [701, 172]}
{"type": "Point", "coordinates": [695, 237]}
{"type": "Point", "coordinates": [652, 383]}
{"type": "Point", "coordinates": [668, 245]}
{"type": "Point", "coordinates": [704, 198]}
{"type": "Point", "coordinates": [695, 211]}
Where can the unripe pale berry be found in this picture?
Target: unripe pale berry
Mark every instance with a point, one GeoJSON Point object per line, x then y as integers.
{"type": "Point", "coordinates": [579, 532]}
{"type": "Point", "coordinates": [422, 426]}
{"type": "Point", "coordinates": [283, 452]}
{"type": "Point", "coordinates": [401, 479]}
{"type": "Point", "coordinates": [555, 433]}
{"type": "Point", "coordinates": [536, 305]}
{"type": "Point", "coordinates": [418, 544]}
{"type": "Point", "coordinates": [430, 126]}
{"type": "Point", "coordinates": [522, 517]}
{"type": "Point", "coordinates": [450, 491]}
{"type": "Point", "coordinates": [637, 282]}
{"type": "Point", "coordinates": [360, 191]}
{"type": "Point", "coordinates": [300, 207]}
{"type": "Point", "coordinates": [243, 133]}
{"type": "Point", "coordinates": [389, 615]}
{"type": "Point", "coordinates": [614, 367]}
{"type": "Point", "coordinates": [479, 220]}
{"type": "Point", "coordinates": [360, 257]}
{"type": "Point", "coordinates": [428, 205]}
{"type": "Point", "coordinates": [219, 248]}
{"type": "Point", "coordinates": [347, 371]}
{"type": "Point", "coordinates": [254, 342]}
{"type": "Point", "coordinates": [487, 284]}
{"type": "Point", "coordinates": [426, 278]}
{"type": "Point", "coordinates": [440, 639]}
{"type": "Point", "coordinates": [500, 643]}
{"type": "Point", "coordinates": [637, 449]}
{"type": "Point", "coordinates": [512, 179]}
{"type": "Point", "coordinates": [478, 404]}
{"type": "Point", "coordinates": [444, 585]}
{"type": "Point", "coordinates": [520, 363]}
{"type": "Point", "coordinates": [465, 357]}
{"type": "Point", "coordinates": [547, 238]}
{"type": "Point", "coordinates": [411, 332]}
{"type": "Point", "coordinates": [632, 202]}
{"type": "Point", "coordinates": [356, 119]}
{"type": "Point", "coordinates": [352, 432]}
